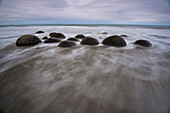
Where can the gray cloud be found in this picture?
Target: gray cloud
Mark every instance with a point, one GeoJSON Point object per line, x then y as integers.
{"type": "Point", "coordinates": [113, 11]}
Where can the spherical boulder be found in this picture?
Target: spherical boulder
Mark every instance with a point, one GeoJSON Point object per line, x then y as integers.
{"type": "Point", "coordinates": [144, 43]}
{"type": "Point", "coordinates": [25, 40]}
{"type": "Point", "coordinates": [72, 39]}
{"type": "Point", "coordinates": [57, 35]}
{"type": "Point", "coordinates": [114, 40]}
{"type": "Point", "coordinates": [80, 36]}
{"type": "Point", "coordinates": [67, 43]}
{"type": "Point", "coordinates": [38, 32]}
{"type": "Point", "coordinates": [89, 41]}
{"type": "Point", "coordinates": [52, 40]}
{"type": "Point", "coordinates": [45, 37]}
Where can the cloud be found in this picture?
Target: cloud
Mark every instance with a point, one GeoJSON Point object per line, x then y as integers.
{"type": "Point", "coordinates": [78, 2]}
{"type": "Point", "coordinates": [111, 11]}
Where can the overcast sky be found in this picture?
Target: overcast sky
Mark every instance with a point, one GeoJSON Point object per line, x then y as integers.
{"type": "Point", "coordinates": [85, 12]}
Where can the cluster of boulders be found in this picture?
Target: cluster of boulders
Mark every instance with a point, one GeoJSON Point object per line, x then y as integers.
{"type": "Point", "coordinates": [114, 40]}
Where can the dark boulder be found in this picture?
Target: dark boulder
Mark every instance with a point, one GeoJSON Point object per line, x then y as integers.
{"type": "Point", "coordinates": [114, 40]}
{"type": "Point", "coordinates": [45, 37]}
{"type": "Point", "coordinates": [123, 35]}
{"type": "Point", "coordinates": [27, 40]}
{"type": "Point", "coordinates": [144, 43]}
{"type": "Point", "coordinates": [1, 111]}
{"type": "Point", "coordinates": [67, 44]}
{"type": "Point", "coordinates": [80, 36]}
{"type": "Point", "coordinates": [38, 32]}
{"type": "Point", "coordinates": [57, 35]}
{"type": "Point", "coordinates": [52, 40]}
{"type": "Point", "coordinates": [73, 39]}
{"type": "Point", "coordinates": [89, 41]}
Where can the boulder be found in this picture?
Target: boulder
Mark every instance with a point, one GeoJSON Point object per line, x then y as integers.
{"type": "Point", "coordinates": [73, 39]}
{"type": "Point", "coordinates": [89, 41]}
{"type": "Point", "coordinates": [52, 40]}
{"type": "Point", "coordinates": [38, 32]}
{"type": "Point", "coordinates": [104, 33]}
{"type": "Point", "coordinates": [80, 36]}
{"type": "Point", "coordinates": [123, 35]}
{"type": "Point", "coordinates": [144, 43]}
{"type": "Point", "coordinates": [67, 43]}
{"type": "Point", "coordinates": [114, 40]}
{"type": "Point", "coordinates": [27, 40]}
{"type": "Point", "coordinates": [57, 35]}
{"type": "Point", "coordinates": [45, 37]}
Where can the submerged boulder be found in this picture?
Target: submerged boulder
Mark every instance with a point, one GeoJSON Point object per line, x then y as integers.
{"type": "Point", "coordinates": [73, 39]}
{"type": "Point", "coordinates": [144, 43]}
{"type": "Point", "coordinates": [38, 32]}
{"type": "Point", "coordinates": [104, 33]}
{"type": "Point", "coordinates": [52, 40]}
{"type": "Point", "coordinates": [27, 40]}
{"type": "Point", "coordinates": [114, 40]}
{"type": "Point", "coordinates": [57, 35]}
{"type": "Point", "coordinates": [89, 41]}
{"type": "Point", "coordinates": [45, 37]}
{"type": "Point", "coordinates": [123, 35]}
{"type": "Point", "coordinates": [80, 36]}
{"type": "Point", "coordinates": [67, 43]}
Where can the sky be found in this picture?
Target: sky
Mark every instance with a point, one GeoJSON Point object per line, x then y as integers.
{"type": "Point", "coordinates": [149, 12]}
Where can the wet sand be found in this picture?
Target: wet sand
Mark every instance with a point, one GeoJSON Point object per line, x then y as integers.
{"type": "Point", "coordinates": [97, 80]}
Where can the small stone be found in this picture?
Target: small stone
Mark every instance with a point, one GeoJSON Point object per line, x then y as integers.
{"type": "Point", "coordinates": [38, 32]}
{"type": "Point", "coordinates": [57, 35]}
{"type": "Point", "coordinates": [80, 36]}
{"type": "Point", "coordinates": [104, 33]}
{"type": "Point", "coordinates": [123, 35]}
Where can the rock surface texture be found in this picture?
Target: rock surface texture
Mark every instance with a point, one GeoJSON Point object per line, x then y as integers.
{"type": "Point", "coordinates": [27, 40]}
{"type": "Point", "coordinates": [89, 41]}
{"type": "Point", "coordinates": [114, 40]}
{"type": "Point", "coordinates": [144, 43]}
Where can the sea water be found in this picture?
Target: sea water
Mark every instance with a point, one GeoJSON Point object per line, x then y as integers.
{"type": "Point", "coordinates": [45, 78]}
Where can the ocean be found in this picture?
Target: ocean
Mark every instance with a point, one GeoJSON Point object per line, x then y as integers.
{"type": "Point", "coordinates": [45, 78]}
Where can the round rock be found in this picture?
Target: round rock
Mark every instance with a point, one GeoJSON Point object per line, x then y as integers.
{"type": "Point", "coordinates": [38, 32]}
{"type": "Point", "coordinates": [73, 39]}
{"type": "Point", "coordinates": [80, 36]}
{"type": "Point", "coordinates": [52, 40]}
{"type": "Point", "coordinates": [57, 35]}
{"type": "Point", "coordinates": [27, 40]}
{"type": "Point", "coordinates": [144, 43]}
{"type": "Point", "coordinates": [114, 40]}
{"type": "Point", "coordinates": [67, 43]}
{"type": "Point", "coordinates": [89, 41]}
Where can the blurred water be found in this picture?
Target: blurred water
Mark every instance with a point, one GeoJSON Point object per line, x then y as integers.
{"type": "Point", "coordinates": [85, 79]}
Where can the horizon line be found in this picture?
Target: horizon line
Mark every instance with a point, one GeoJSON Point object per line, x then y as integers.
{"type": "Point", "coordinates": [85, 25]}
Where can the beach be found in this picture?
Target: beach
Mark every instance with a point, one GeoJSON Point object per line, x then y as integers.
{"type": "Point", "coordinates": [45, 78]}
